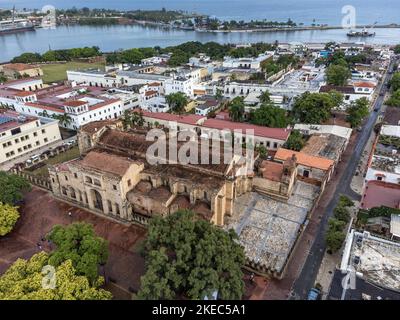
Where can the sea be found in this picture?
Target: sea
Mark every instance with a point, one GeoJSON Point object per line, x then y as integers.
{"type": "Point", "coordinates": [110, 38]}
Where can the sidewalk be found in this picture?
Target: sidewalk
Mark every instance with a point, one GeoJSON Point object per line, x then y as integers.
{"type": "Point", "coordinates": [281, 289]}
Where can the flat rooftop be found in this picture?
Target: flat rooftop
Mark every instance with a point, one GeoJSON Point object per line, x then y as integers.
{"type": "Point", "coordinates": [379, 193]}
{"type": "Point", "coordinates": [10, 120]}
{"type": "Point", "coordinates": [268, 228]}
{"type": "Point", "coordinates": [379, 260]}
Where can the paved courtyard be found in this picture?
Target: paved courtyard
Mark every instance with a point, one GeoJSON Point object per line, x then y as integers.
{"type": "Point", "coordinates": [268, 228]}
{"type": "Point", "coordinates": [41, 212]}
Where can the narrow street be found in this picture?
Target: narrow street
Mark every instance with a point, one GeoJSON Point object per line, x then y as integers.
{"type": "Point", "coordinates": [309, 272]}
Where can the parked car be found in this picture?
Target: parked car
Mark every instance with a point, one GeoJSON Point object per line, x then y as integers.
{"type": "Point", "coordinates": [314, 294]}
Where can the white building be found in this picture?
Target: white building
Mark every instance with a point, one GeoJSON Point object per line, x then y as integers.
{"type": "Point", "coordinates": [246, 63]}
{"type": "Point", "coordinates": [20, 134]}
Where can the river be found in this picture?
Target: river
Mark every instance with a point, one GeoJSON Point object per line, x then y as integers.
{"type": "Point", "coordinates": [110, 38]}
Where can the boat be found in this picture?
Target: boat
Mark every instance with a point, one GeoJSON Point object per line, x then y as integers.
{"type": "Point", "coordinates": [363, 33]}
{"type": "Point", "coordinates": [15, 25]}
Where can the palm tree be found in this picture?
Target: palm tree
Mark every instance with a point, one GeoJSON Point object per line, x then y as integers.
{"type": "Point", "coordinates": [137, 118]}
{"type": "Point", "coordinates": [64, 119]}
{"type": "Point", "coordinates": [126, 119]}
{"type": "Point", "coordinates": [236, 109]}
{"type": "Point", "coordinates": [44, 114]}
{"type": "Point", "coordinates": [177, 101]}
{"type": "Point", "coordinates": [265, 97]}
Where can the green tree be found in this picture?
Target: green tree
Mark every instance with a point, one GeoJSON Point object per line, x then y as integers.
{"type": "Point", "coordinates": [397, 49]}
{"type": "Point", "coordinates": [337, 75]}
{"type": "Point", "coordinates": [79, 243]}
{"type": "Point", "coordinates": [314, 108]}
{"type": "Point", "coordinates": [23, 281]}
{"type": "Point", "coordinates": [236, 109]}
{"type": "Point", "coordinates": [8, 218]}
{"type": "Point", "coordinates": [395, 82]}
{"type": "Point", "coordinates": [295, 141]}
{"type": "Point", "coordinates": [3, 78]}
{"type": "Point", "coordinates": [12, 188]}
{"type": "Point", "coordinates": [265, 97]}
{"type": "Point", "coordinates": [357, 111]}
{"type": "Point", "coordinates": [394, 100]}
{"type": "Point", "coordinates": [178, 58]}
{"type": "Point", "coordinates": [177, 101]}
{"type": "Point", "coordinates": [270, 116]}
{"type": "Point", "coordinates": [188, 257]}
{"type": "Point", "coordinates": [64, 119]}
{"type": "Point", "coordinates": [335, 235]}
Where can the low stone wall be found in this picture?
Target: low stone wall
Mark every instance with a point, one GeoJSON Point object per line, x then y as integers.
{"type": "Point", "coordinates": [35, 180]}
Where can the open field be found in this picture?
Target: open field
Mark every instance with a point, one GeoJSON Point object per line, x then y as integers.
{"type": "Point", "coordinates": [58, 71]}
{"type": "Point", "coordinates": [62, 157]}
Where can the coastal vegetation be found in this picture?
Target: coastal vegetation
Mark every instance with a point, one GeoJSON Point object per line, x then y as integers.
{"type": "Point", "coordinates": [58, 55]}
{"type": "Point", "coordinates": [181, 53]}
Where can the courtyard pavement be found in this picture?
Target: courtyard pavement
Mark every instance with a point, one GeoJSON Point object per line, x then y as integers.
{"type": "Point", "coordinates": [41, 212]}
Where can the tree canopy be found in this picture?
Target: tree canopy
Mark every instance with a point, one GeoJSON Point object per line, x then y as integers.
{"type": "Point", "coordinates": [338, 75]}
{"type": "Point", "coordinates": [295, 141]}
{"type": "Point", "coordinates": [79, 243]}
{"type": "Point", "coordinates": [270, 116]}
{"type": "Point", "coordinates": [236, 109]}
{"type": "Point", "coordinates": [357, 111]}
{"type": "Point", "coordinates": [177, 101]}
{"type": "Point", "coordinates": [8, 217]}
{"type": "Point", "coordinates": [394, 100]}
{"type": "Point", "coordinates": [12, 187]}
{"type": "Point", "coordinates": [314, 108]}
{"type": "Point", "coordinates": [188, 257]}
{"type": "Point", "coordinates": [395, 82]}
{"type": "Point", "coordinates": [24, 281]}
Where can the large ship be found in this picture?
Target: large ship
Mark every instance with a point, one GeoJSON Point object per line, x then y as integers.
{"type": "Point", "coordinates": [362, 33]}
{"type": "Point", "coordinates": [15, 25]}
{"type": "Point", "coordinates": [365, 32]}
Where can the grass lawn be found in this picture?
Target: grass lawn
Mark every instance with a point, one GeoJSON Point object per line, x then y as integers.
{"type": "Point", "coordinates": [62, 157]}
{"type": "Point", "coordinates": [58, 71]}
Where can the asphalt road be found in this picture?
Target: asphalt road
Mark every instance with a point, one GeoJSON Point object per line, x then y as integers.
{"type": "Point", "coordinates": [310, 269]}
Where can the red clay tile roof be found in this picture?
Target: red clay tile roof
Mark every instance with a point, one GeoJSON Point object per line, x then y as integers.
{"type": "Point", "coordinates": [74, 103]}
{"type": "Point", "coordinates": [45, 107]}
{"type": "Point", "coordinates": [18, 66]}
{"type": "Point", "coordinates": [150, 93]}
{"type": "Point", "coordinates": [191, 119]}
{"type": "Point", "coordinates": [23, 93]}
{"type": "Point", "coordinates": [380, 193]}
{"type": "Point", "coordinates": [304, 159]}
{"type": "Point", "coordinates": [259, 131]}
{"type": "Point", "coordinates": [104, 103]}
{"type": "Point", "coordinates": [272, 170]}
{"type": "Point", "coordinates": [106, 162]}
{"type": "Point", "coordinates": [364, 84]}
{"type": "Point", "coordinates": [92, 127]}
